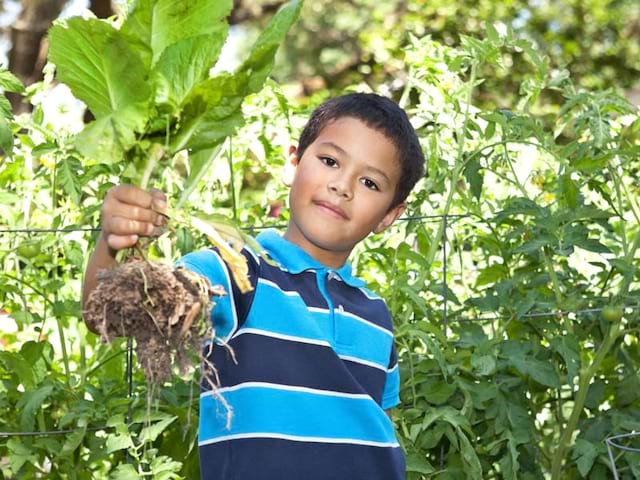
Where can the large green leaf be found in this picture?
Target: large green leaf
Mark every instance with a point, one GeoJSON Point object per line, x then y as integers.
{"type": "Point", "coordinates": [213, 108]}
{"type": "Point", "coordinates": [102, 70]}
{"type": "Point", "coordinates": [95, 61]}
{"type": "Point", "coordinates": [108, 138]}
{"type": "Point", "coordinates": [185, 64]}
{"type": "Point", "coordinates": [157, 24]}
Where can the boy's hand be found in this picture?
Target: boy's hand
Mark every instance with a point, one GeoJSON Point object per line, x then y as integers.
{"type": "Point", "coordinates": [128, 213]}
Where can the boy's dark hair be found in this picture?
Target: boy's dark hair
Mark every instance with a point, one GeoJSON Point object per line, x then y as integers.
{"type": "Point", "coordinates": [378, 113]}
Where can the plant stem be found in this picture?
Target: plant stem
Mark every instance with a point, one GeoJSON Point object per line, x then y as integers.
{"type": "Point", "coordinates": [460, 163]}
{"type": "Point", "coordinates": [556, 288]}
{"type": "Point", "coordinates": [156, 152]}
{"type": "Point", "coordinates": [586, 375]}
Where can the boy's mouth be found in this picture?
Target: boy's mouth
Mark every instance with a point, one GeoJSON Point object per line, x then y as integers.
{"type": "Point", "coordinates": [331, 209]}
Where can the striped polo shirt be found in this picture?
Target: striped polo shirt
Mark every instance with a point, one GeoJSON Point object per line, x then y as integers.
{"type": "Point", "coordinates": [312, 371]}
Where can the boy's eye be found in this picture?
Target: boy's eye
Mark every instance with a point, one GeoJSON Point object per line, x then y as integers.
{"type": "Point", "coordinates": [328, 161]}
{"type": "Point", "coordinates": [370, 184]}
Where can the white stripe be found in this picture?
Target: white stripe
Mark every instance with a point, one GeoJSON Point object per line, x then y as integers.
{"type": "Point", "coordinates": [362, 320]}
{"type": "Point", "coordinates": [363, 362]}
{"type": "Point", "coordinates": [269, 283]}
{"type": "Point", "coordinates": [230, 293]}
{"type": "Point", "coordinates": [252, 253]}
{"type": "Point", "coordinates": [266, 333]}
{"type": "Point", "coordinates": [318, 310]}
{"type": "Point", "coordinates": [296, 438]}
{"type": "Point", "coordinates": [369, 295]}
{"type": "Point", "coordinates": [288, 388]}
{"type": "Point", "coordinates": [391, 370]}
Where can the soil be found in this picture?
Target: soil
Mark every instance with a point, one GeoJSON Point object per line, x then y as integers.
{"type": "Point", "coordinates": [161, 307]}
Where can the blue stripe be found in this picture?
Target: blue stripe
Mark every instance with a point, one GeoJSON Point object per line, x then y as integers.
{"type": "Point", "coordinates": [264, 409]}
{"type": "Point", "coordinates": [362, 339]}
{"type": "Point", "coordinates": [223, 314]}
{"type": "Point", "coordinates": [391, 394]}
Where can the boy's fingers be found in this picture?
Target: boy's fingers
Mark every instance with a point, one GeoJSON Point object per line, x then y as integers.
{"type": "Point", "coordinates": [115, 225]}
{"type": "Point", "coordinates": [131, 212]}
{"type": "Point", "coordinates": [159, 199]}
{"type": "Point", "coordinates": [131, 195]}
{"type": "Point", "coordinates": [118, 242]}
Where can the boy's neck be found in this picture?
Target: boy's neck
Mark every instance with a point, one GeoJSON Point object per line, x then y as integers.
{"type": "Point", "coordinates": [329, 258]}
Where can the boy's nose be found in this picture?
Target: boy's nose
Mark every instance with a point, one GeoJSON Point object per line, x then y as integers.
{"type": "Point", "coordinates": [340, 188]}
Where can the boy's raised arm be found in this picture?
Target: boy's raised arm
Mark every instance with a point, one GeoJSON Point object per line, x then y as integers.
{"type": "Point", "coordinates": [127, 214]}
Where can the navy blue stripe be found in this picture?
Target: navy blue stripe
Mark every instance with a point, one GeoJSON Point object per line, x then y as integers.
{"type": "Point", "coordinates": [356, 302]}
{"type": "Point", "coordinates": [271, 360]}
{"type": "Point", "coordinates": [304, 283]}
{"type": "Point", "coordinates": [268, 459]}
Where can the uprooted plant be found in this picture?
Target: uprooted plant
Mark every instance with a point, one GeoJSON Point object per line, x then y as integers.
{"type": "Point", "coordinates": [145, 79]}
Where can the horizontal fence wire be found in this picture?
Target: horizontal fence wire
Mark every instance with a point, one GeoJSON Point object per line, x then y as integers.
{"type": "Point", "coordinates": [431, 218]}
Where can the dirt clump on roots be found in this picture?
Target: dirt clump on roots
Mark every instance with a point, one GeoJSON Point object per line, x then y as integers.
{"type": "Point", "coordinates": [160, 306]}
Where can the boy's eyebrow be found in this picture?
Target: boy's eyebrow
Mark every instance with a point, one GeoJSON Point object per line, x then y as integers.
{"type": "Point", "coordinates": [342, 151]}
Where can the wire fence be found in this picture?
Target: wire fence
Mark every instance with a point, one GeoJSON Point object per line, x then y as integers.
{"type": "Point", "coordinates": [613, 442]}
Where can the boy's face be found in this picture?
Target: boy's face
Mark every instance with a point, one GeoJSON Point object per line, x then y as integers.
{"type": "Point", "coordinates": [342, 190]}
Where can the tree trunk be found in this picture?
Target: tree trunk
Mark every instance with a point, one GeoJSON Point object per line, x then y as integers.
{"type": "Point", "coordinates": [29, 47]}
{"type": "Point", "coordinates": [102, 8]}
{"type": "Point", "coordinates": [26, 39]}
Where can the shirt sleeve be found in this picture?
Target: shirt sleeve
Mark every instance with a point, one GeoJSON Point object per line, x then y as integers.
{"type": "Point", "coordinates": [228, 311]}
{"type": "Point", "coordinates": [391, 393]}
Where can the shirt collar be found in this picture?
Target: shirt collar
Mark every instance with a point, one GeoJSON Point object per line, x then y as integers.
{"type": "Point", "coordinates": [295, 260]}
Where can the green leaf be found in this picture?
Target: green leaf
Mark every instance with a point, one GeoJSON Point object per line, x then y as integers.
{"type": "Point", "coordinates": [473, 468]}
{"type": "Point", "coordinates": [541, 371]}
{"type": "Point", "coordinates": [95, 61]}
{"type": "Point", "coordinates": [156, 25]}
{"type": "Point", "coordinates": [484, 364]}
{"type": "Point", "coordinates": [9, 82]}
{"type": "Point", "coordinates": [150, 433]}
{"type": "Point", "coordinates": [118, 442]}
{"type": "Point", "coordinates": [68, 175]}
{"type": "Point", "coordinates": [183, 65]}
{"type": "Point", "coordinates": [445, 414]}
{"type": "Point", "coordinates": [6, 137]}
{"type": "Point", "coordinates": [437, 392]}
{"type": "Point", "coordinates": [432, 348]}
{"type": "Point", "coordinates": [474, 177]}
{"type": "Point", "coordinates": [17, 364]}
{"type": "Point", "coordinates": [212, 110]}
{"type": "Point", "coordinates": [108, 138]}
{"type": "Point", "coordinates": [102, 70]}
{"type": "Point", "coordinates": [124, 472]}
{"type": "Point", "coordinates": [509, 463]}
{"type": "Point", "coordinates": [586, 453]}
{"type": "Point", "coordinates": [568, 348]}
{"type": "Point", "coordinates": [19, 454]}
{"type": "Point", "coordinates": [418, 463]}
{"type": "Point", "coordinates": [73, 440]}
{"type": "Point", "coordinates": [492, 274]}
{"type": "Point", "coordinates": [5, 108]}
{"type": "Point", "coordinates": [30, 403]}
{"type": "Point", "coordinates": [568, 191]}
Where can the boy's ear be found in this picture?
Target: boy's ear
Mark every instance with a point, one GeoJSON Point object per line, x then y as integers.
{"type": "Point", "coordinates": [390, 217]}
{"type": "Point", "coordinates": [289, 170]}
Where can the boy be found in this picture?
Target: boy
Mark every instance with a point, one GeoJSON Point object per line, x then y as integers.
{"type": "Point", "coordinates": [315, 367]}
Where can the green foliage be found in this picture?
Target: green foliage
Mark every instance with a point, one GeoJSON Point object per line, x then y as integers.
{"type": "Point", "coordinates": [147, 82]}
